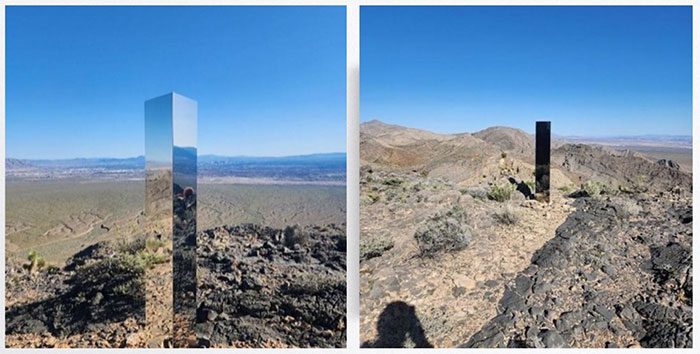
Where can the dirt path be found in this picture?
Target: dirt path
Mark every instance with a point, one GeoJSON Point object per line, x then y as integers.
{"type": "Point", "coordinates": [453, 294]}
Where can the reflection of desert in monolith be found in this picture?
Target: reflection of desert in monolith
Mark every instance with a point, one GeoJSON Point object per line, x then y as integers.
{"type": "Point", "coordinates": [159, 246]}
{"type": "Point", "coordinates": [184, 244]}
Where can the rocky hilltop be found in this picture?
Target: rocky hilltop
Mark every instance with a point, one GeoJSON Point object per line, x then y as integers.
{"type": "Point", "coordinates": [455, 251]}
{"type": "Point", "coordinates": [257, 287]}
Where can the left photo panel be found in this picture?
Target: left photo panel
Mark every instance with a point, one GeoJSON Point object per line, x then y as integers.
{"type": "Point", "coordinates": [175, 176]}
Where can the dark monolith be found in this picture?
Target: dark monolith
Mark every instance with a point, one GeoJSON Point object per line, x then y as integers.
{"type": "Point", "coordinates": [542, 158]}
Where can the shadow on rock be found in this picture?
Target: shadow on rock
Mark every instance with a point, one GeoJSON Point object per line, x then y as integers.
{"type": "Point", "coordinates": [90, 294]}
{"type": "Point", "coordinates": [522, 187]}
{"type": "Point", "coordinates": [397, 323]}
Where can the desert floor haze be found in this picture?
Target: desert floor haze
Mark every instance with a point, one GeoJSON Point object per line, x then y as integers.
{"type": "Point", "coordinates": [455, 252]}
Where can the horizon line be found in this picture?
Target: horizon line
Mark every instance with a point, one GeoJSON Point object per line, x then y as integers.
{"type": "Point", "coordinates": [512, 127]}
{"type": "Point", "coordinates": [143, 156]}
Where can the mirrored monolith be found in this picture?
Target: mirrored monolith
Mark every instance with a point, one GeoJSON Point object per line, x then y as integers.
{"type": "Point", "coordinates": [542, 160]}
{"type": "Point", "coordinates": [171, 211]}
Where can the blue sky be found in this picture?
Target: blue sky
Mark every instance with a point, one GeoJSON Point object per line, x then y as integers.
{"type": "Point", "coordinates": [269, 81]}
{"type": "Point", "coordinates": [592, 71]}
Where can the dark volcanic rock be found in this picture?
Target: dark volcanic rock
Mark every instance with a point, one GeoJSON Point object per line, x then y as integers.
{"type": "Point", "coordinates": [100, 285]}
{"type": "Point", "coordinates": [265, 286]}
{"type": "Point", "coordinates": [607, 279]}
{"type": "Point", "coordinates": [255, 289]}
{"type": "Point", "coordinates": [669, 163]}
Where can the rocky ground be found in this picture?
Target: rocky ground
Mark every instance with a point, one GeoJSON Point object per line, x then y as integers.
{"type": "Point", "coordinates": [452, 293]}
{"type": "Point", "coordinates": [608, 270]}
{"type": "Point", "coordinates": [618, 273]}
{"type": "Point", "coordinates": [264, 287]}
{"type": "Point", "coordinates": [259, 287]}
{"type": "Point", "coordinates": [96, 300]}
{"type": "Point", "coordinates": [456, 251]}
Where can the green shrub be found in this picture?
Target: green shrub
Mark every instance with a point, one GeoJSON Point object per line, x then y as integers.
{"type": "Point", "coordinates": [294, 235]}
{"type": "Point", "coordinates": [566, 189]}
{"type": "Point", "coordinates": [374, 248]}
{"type": "Point", "coordinates": [154, 244]}
{"type": "Point", "coordinates": [36, 262]}
{"type": "Point", "coordinates": [506, 215]}
{"type": "Point", "coordinates": [142, 260]}
{"type": "Point", "coordinates": [393, 182]}
{"type": "Point", "coordinates": [531, 185]}
{"type": "Point", "coordinates": [476, 192]}
{"type": "Point", "coordinates": [639, 185]}
{"type": "Point", "coordinates": [501, 192]}
{"type": "Point", "coordinates": [315, 284]}
{"type": "Point", "coordinates": [595, 188]}
{"type": "Point", "coordinates": [150, 259]}
{"type": "Point", "coordinates": [445, 231]}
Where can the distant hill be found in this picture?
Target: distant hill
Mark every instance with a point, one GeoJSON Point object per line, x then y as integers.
{"type": "Point", "coordinates": [474, 158]}
{"type": "Point", "coordinates": [202, 160]}
{"type": "Point", "coordinates": [100, 162]}
{"type": "Point", "coordinates": [508, 139]}
{"type": "Point", "coordinates": [402, 147]}
{"type": "Point", "coordinates": [17, 164]}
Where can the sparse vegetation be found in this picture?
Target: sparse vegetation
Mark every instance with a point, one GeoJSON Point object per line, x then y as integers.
{"type": "Point", "coordinates": [373, 197]}
{"type": "Point", "coordinates": [566, 189]}
{"type": "Point", "coordinates": [506, 215]}
{"type": "Point", "coordinates": [639, 185]}
{"type": "Point", "coordinates": [445, 231]}
{"type": "Point", "coordinates": [315, 285]}
{"type": "Point", "coordinates": [141, 260]}
{"type": "Point", "coordinates": [475, 192]}
{"type": "Point", "coordinates": [531, 185]}
{"type": "Point", "coordinates": [36, 262]}
{"type": "Point", "coordinates": [294, 235]}
{"type": "Point", "coordinates": [501, 192]}
{"type": "Point", "coordinates": [594, 188]}
{"type": "Point", "coordinates": [393, 182]}
{"type": "Point", "coordinates": [154, 244]}
{"type": "Point", "coordinates": [626, 207]}
{"type": "Point", "coordinates": [374, 248]}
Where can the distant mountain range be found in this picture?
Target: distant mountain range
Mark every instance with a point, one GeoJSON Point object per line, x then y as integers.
{"type": "Point", "coordinates": [668, 141]}
{"type": "Point", "coordinates": [313, 167]}
{"type": "Point", "coordinates": [100, 162]}
{"type": "Point", "coordinates": [202, 160]}
{"type": "Point", "coordinates": [470, 158]}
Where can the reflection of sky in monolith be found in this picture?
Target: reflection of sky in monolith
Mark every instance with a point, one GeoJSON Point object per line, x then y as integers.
{"type": "Point", "coordinates": [159, 132]}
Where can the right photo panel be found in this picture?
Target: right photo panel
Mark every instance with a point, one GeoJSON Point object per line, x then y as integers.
{"type": "Point", "coordinates": [526, 176]}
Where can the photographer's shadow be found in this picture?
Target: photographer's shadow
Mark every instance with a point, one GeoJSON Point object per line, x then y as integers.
{"type": "Point", "coordinates": [397, 323]}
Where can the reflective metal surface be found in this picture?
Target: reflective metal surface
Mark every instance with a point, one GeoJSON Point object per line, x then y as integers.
{"type": "Point", "coordinates": [171, 205]}
{"type": "Point", "coordinates": [184, 220]}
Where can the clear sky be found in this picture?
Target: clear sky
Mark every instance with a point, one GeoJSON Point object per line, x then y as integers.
{"type": "Point", "coordinates": [269, 81]}
{"type": "Point", "coordinates": [592, 71]}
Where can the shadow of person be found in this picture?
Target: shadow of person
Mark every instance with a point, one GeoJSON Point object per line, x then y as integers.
{"type": "Point", "coordinates": [397, 323]}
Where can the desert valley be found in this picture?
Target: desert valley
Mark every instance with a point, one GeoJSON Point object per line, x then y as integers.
{"type": "Point", "coordinates": [270, 240]}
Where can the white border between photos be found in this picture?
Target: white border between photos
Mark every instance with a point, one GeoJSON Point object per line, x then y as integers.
{"type": "Point", "coordinates": [352, 141]}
